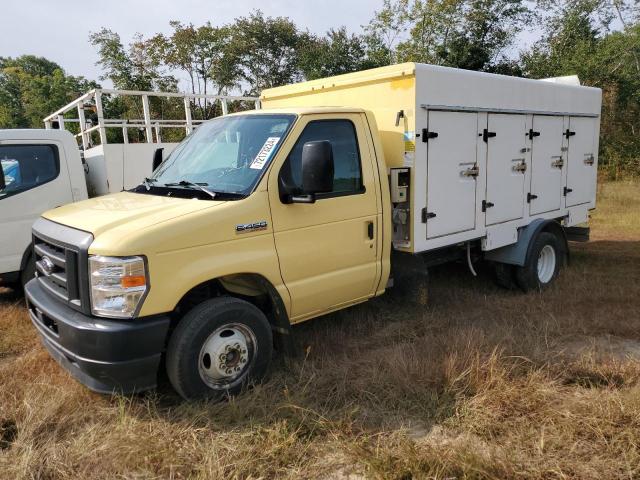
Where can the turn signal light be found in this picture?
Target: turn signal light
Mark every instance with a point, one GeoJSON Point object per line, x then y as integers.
{"type": "Point", "coordinates": [133, 281]}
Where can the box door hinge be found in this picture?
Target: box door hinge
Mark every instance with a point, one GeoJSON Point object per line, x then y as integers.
{"type": "Point", "coordinates": [486, 205]}
{"type": "Point", "coordinates": [532, 133]}
{"type": "Point", "coordinates": [427, 215]}
{"type": "Point", "coordinates": [426, 135]}
{"type": "Point", "coordinates": [531, 196]}
{"type": "Point", "coordinates": [486, 135]}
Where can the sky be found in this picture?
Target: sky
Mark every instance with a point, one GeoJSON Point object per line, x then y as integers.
{"type": "Point", "coordinates": [59, 29]}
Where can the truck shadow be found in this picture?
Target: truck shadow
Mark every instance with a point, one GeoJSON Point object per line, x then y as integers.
{"type": "Point", "coordinates": [10, 295]}
{"type": "Point", "coordinates": [406, 361]}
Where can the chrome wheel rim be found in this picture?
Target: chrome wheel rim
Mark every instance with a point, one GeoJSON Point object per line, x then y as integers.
{"type": "Point", "coordinates": [546, 264]}
{"type": "Point", "coordinates": [226, 356]}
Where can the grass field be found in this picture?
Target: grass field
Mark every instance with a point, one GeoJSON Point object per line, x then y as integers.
{"type": "Point", "coordinates": [469, 381]}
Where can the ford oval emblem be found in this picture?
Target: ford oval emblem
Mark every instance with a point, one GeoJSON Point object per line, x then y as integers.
{"type": "Point", "coordinates": [47, 266]}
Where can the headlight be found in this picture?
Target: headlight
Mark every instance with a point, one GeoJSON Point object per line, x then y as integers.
{"type": "Point", "coordinates": [118, 285]}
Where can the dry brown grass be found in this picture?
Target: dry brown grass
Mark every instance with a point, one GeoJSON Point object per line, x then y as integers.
{"type": "Point", "coordinates": [477, 383]}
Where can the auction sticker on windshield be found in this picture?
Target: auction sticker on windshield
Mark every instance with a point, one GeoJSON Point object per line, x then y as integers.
{"type": "Point", "coordinates": [264, 153]}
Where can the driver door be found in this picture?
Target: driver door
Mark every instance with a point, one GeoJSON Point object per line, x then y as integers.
{"type": "Point", "coordinates": [329, 251]}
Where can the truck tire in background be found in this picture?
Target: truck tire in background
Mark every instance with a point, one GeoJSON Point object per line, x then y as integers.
{"type": "Point", "coordinates": [504, 275]}
{"type": "Point", "coordinates": [218, 348]}
{"type": "Point", "coordinates": [542, 264]}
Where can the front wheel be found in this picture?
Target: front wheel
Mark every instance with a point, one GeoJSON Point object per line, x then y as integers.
{"type": "Point", "coordinates": [543, 265]}
{"type": "Point", "coordinates": [218, 348]}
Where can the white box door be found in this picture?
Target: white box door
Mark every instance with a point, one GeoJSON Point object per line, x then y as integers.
{"type": "Point", "coordinates": [581, 165]}
{"type": "Point", "coordinates": [506, 167]}
{"type": "Point", "coordinates": [451, 165]}
{"type": "Point", "coordinates": [547, 162]}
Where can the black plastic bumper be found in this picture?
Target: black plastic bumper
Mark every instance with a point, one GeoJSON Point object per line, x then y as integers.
{"type": "Point", "coordinates": [107, 356]}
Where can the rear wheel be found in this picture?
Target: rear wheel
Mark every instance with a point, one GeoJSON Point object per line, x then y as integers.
{"type": "Point", "coordinates": [219, 347]}
{"type": "Point", "coordinates": [543, 264]}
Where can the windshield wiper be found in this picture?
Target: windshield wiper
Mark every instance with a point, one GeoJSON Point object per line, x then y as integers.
{"type": "Point", "coordinates": [188, 184]}
{"type": "Point", "coordinates": [147, 182]}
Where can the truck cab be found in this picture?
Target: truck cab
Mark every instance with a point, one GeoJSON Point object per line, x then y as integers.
{"type": "Point", "coordinates": [40, 170]}
{"type": "Point", "coordinates": [256, 221]}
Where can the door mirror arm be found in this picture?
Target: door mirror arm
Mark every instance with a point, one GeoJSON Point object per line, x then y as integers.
{"type": "Point", "coordinates": [157, 158]}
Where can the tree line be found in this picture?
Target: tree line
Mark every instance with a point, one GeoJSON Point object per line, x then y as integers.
{"type": "Point", "coordinates": [599, 40]}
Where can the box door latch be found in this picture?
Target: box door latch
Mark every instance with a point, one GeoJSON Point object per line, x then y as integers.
{"type": "Point", "coordinates": [486, 205]}
{"type": "Point", "coordinates": [486, 135]}
{"type": "Point", "coordinates": [426, 135]}
{"type": "Point", "coordinates": [427, 215]}
{"type": "Point", "coordinates": [567, 190]}
{"type": "Point", "coordinates": [532, 133]}
{"type": "Point", "coordinates": [569, 133]}
{"type": "Point", "coordinates": [531, 196]}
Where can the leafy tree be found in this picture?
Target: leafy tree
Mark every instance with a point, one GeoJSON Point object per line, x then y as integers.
{"type": "Point", "coordinates": [201, 52]}
{"type": "Point", "coordinates": [579, 39]}
{"type": "Point", "coordinates": [387, 28]}
{"type": "Point", "coordinates": [471, 34]}
{"type": "Point", "coordinates": [32, 88]}
{"type": "Point", "coordinates": [336, 53]}
{"type": "Point", "coordinates": [134, 69]}
{"type": "Point", "coordinates": [265, 50]}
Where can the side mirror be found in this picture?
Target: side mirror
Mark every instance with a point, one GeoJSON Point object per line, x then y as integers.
{"type": "Point", "coordinates": [157, 159]}
{"type": "Point", "coordinates": [317, 171]}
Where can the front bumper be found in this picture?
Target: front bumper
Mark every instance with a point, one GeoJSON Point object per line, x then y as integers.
{"type": "Point", "coordinates": [107, 356]}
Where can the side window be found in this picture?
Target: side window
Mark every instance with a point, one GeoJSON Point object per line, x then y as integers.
{"type": "Point", "coordinates": [347, 178]}
{"type": "Point", "coordinates": [27, 166]}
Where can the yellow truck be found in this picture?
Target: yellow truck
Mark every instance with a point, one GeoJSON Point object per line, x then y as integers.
{"type": "Point", "coordinates": [263, 219]}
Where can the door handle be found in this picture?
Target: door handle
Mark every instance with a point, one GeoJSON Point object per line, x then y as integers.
{"type": "Point", "coordinates": [558, 163]}
{"type": "Point", "coordinates": [370, 230]}
{"type": "Point", "coordinates": [471, 172]}
{"type": "Point", "coordinates": [521, 166]}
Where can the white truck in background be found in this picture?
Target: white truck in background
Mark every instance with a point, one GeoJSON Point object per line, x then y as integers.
{"type": "Point", "coordinates": [41, 169]}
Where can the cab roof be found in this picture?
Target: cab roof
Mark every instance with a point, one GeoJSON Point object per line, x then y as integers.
{"type": "Point", "coordinates": [302, 110]}
{"type": "Point", "coordinates": [34, 134]}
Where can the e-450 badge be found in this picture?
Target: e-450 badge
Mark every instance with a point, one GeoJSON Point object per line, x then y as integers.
{"type": "Point", "coordinates": [251, 227]}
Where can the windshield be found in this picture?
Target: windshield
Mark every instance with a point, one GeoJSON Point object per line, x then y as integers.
{"type": "Point", "coordinates": [225, 155]}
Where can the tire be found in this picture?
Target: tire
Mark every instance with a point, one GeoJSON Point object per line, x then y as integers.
{"type": "Point", "coordinates": [543, 263]}
{"type": "Point", "coordinates": [29, 271]}
{"type": "Point", "coordinates": [219, 347]}
{"type": "Point", "coordinates": [505, 276]}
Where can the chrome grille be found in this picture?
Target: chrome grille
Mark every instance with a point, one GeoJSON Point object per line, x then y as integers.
{"type": "Point", "coordinates": [56, 269]}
